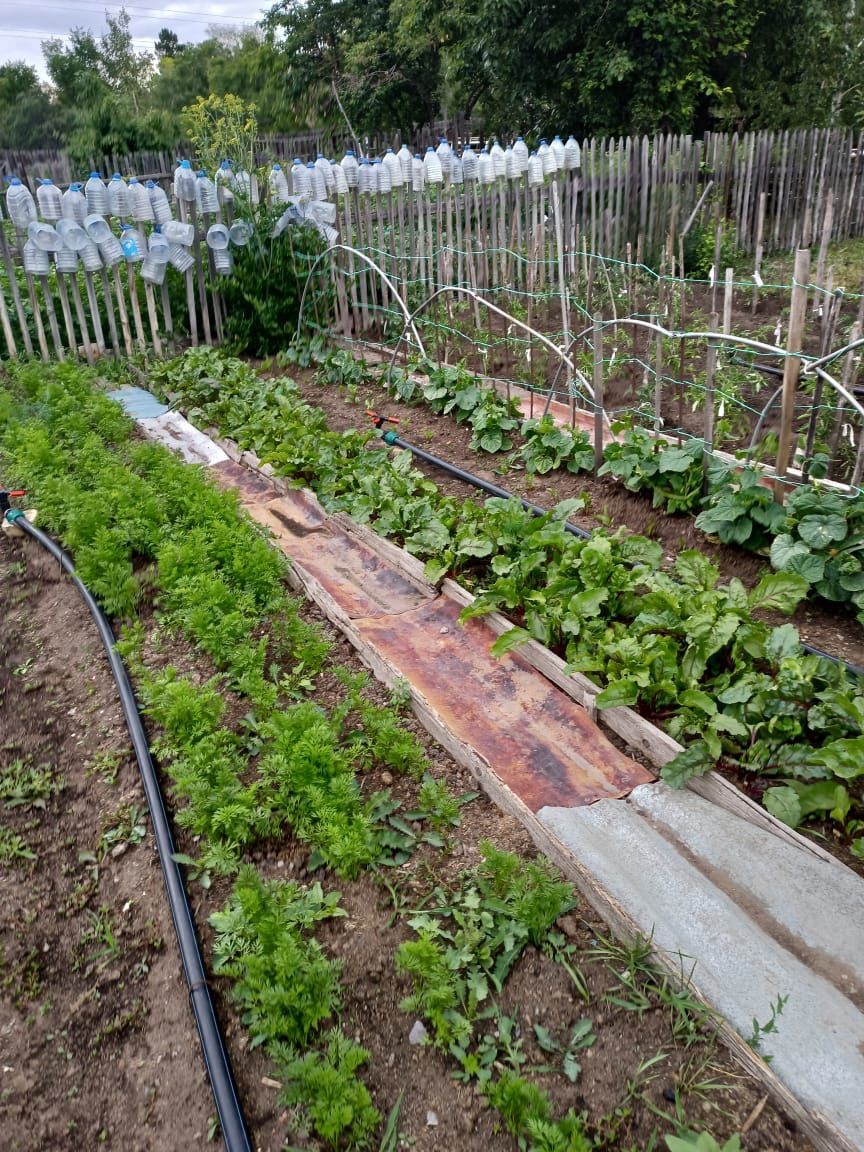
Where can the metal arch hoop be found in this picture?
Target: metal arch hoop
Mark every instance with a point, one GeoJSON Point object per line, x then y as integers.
{"type": "Point", "coordinates": [409, 318]}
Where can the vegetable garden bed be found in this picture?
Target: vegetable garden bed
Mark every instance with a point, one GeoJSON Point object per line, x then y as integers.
{"type": "Point", "coordinates": [287, 769]}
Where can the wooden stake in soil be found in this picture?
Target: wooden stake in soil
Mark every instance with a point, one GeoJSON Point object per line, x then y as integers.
{"type": "Point", "coordinates": [727, 301]}
{"type": "Point", "coordinates": [598, 389]}
{"type": "Point", "coordinates": [708, 434]}
{"type": "Point", "coordinates": [792, 366]}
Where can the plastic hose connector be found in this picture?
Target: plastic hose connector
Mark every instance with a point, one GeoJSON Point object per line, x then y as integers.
{"type": "Point", "coordinates": [14, 514]}
{"type": "Point", "coordinates": [390, 437]}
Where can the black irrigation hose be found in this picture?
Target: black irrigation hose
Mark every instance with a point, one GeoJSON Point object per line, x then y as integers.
{"type": "Point", "coordinates": [469, 478]}
{"type": "Point", "coordinates": [216, 1058]}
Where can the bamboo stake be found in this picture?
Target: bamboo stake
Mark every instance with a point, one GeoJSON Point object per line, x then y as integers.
{"type": "Point", "coordinates": [792, 366]}
{"type": "Point", "coordinates": [67, 316]}
{"type": "Point", "coordinates": [7, 328]}
{"type": "Point", "coordinates": [9, 265]}
{"type": "Point", "coordinates": [121, 308]}
{"type": "Point", "coordinates": [82, 320]}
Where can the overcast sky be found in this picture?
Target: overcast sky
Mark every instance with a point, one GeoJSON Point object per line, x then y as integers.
{"type": "Point", "coordinates": [24, 25]}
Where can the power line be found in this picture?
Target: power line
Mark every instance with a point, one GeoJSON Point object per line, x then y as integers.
{"type": "Point", "coordinates": [160, 13]}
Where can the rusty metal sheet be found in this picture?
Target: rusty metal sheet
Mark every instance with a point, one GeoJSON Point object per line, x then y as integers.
{"type": "Point", "coordinates": [252, 488]}
{"type": "Point", "coordinates": [538, 741]}
{"type": "Point", "coordinates": [357, 578]}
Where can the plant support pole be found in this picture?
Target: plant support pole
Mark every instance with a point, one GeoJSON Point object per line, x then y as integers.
{"type": "Point", "coordinates": [792, 366]}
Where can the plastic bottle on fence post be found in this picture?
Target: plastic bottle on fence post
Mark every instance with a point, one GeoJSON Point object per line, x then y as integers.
{"type": "Point", "coordinates": [217, 237]}
{"type": "Point", "coordinates": [96, 195]}
{"type": "Point", "coordinates": [158, 247]}
{"type": "Point", "coordinates": [382, 177]}
{"type": "Point", "coordinates": [432, 165]}
{"type": "Point", "coordinates": [557, 150]}
{"type": "Point", "coordinates": [35, 259]}
{"type": "Point", "coordinates": [184, 182]}
{"type": "Point", "coordinates": [547, 158]}
{"type": "Point", "coordinates": [223, 261]}
{"type": "Point", "coordinates": [20, 205]}
{"type": "Point", "coordinates": [323, 166]}
{"type": "Point", "coordinates": [520, 151]}
{"type": "Point", "coordinates": [499, 162]}
{"type": "Point", "coordinates": [44, 236]}
{"type": "Point", "coordinates": [73, 204]}
{"type": "Point", "coordinates": [205, 192]}
{"type": "Point", "coordinates": [316, 182]}
{"type": "Point", "coordinates": [153, 271]}
{"type": "Point", "coordinates": [91, 261]}
{"type": "Point", "coordinates": [418, 174]}
{"type": "Point", "coordinates": [391, 163]}
{"type": "Point", "coordinates": [111, 252]}
{"type": "Point", "coordinates": [535, 171]}
{"type": "Point", "coordinates": [351, 168]}
{"type": "Point", "coordinates": [469, 163]}
{"type": "Point", "coordinates": [160, 203]}
{"type": "Point", "coordinates": [444, 153]}
{"type": "Point", "coordinates": [132, 244]}
{"type": "Point", "coordinates": [178, 232]}
{"type": "Point", "coordinates": [49, 200]}
{"type": "Point", "coordinates": [97, 228]}
{"type": "Point", "coordinates": [118, 197]}
{"type": "Point", "coordinates": [73, 235]}
{"type": "Point", "coordinates": [301, 182]}
{"type": "Point", "coordinates": [180, 258]}
{"type": "Point", "coordinates": [225, 182]}
{"type": "Point", "coordinates": [140, 204]}
{"type": "Point", "coordinates": [278, 186]}
{"type": "Point", "coordinates": [511, 164]}
{"type": "Point", "coordinates": [340, 182]}
{"type": "Point", "coordinates": [406, 163]}
{"type": "Point", "coordinates": [485, 168]}
{"type": "Point", "coordinates": [66, 260]}
{"type": "Point", "coordinates": [365, 177]}
{"type": "Point", "coordinates": [456, 174]}
{"type": "Point", "coordinates": [572, 154]}
{"type": "Point", "coordinates": [247, 185]}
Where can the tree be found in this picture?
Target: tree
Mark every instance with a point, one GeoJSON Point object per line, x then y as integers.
{"type": "Point", "coordinates": [26, 119]}
{"type": "Point", "coordinates": [166, 44]}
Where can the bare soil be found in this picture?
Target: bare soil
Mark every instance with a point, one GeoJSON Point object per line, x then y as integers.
{"type": "Point", "coordinates": [101, 1051]}
{"type": "Point", "coordinates": [97, 1042]}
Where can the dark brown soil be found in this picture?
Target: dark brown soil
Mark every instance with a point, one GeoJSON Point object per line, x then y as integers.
{"type": "Point", "coordinates": [64, 708]}
{"type": "Point", "coordinates": [97, 1043]}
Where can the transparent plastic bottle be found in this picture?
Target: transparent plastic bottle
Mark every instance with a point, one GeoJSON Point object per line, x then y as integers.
{"type": "Point", "coordinates": [66, 260]}
{"type": "Point", "coordinates": [178, 232]}
{"type": "Point", "coordinates": [456, 174]}
{"type": "Point", "coordinates": [469, 163]}
{"type": "Point", "coordinates": [382, 176]}
{"type": "Point", "coordinates": [323, 166]}
{"type": "Point", "coordinates": [444, 153]}
{"type": "Point", "coordinates": [217, 237]}
{"type": "Point", "coordinates": [535, 171]}
{"type": "Point", "coordinates": [247, 185]}
{"type": "Point", "coordinates": [36, 260]}
{"type": "Point", "coordinates": [90, 258]}
{"type": "Point", "coordinates": [133, 244]}
{"type": "Point", "coordinates": [406, 163]}
{"type": "Point", "coordinates": [278, 186]}
{"type": "Point", "coordinates": [301, 182]}
{"type": "Point", "coordinates": [180, 258]}
{"type": "Point", "coordinates": [160, 203]}
{"type": "Point", "coordinates": [111, 252]}
{"type": "Point", "coordinates": [547, 158]}
{"type": "Point", "coordinates": [20, 205]}
{"type": "Point", "coordinates": [97, 228]}
{"type": "Point", "coordinates": [499, 163]}
{"type": "Point", "coordinates": [223, 261]}
{"type": "Point", "coordinates": [184, 182]}
{"type": "Point", "coordinates": [72, 234]}
{"type": "Point", "coordinates": [340, 181]}
{"type": "Point", "coordinates": [240, 233]}
{"type": "Point", "coordinates": [225, 182]}
{"type": "Point", "coordinates": [74, 204]}
{"type": "Point", "coordinates": [557, 149]}
{"type": "Point", "coordinates": [118, 197]}
{"type": "Point", "coordinates": [316, 182]}
{"type": "Point", "coordinates": [572, 154]}
{"type": "Point", "coordinates": [391, 163]}
{"type": "Point", "coordinates": [49, 200]}
{"type": "Point", "coordinates": [365, 177]}
{"type": "Point", "coordinates": [140, 205]}
{"type": "Point", "coordinates": [158, 247]}
{"type": "Point", "coordinates": [96, 194]}
{"type": "Point", "coordinates": [485, 168]}
{"type": "Point", "coordinates": [511, 164]}
{"type": "Point", "coordinates": [153, 271]}
{"type": "Point", "coordinates": [351, 168]}
{"type": "Point", "coordinates": [434, 174]}
{"type": "Point", "coordinates": [520, 151]}
{"type": "Point", "coordinates": [206, 196]}
{"type": "Point", "coordinates": [44, 236]}
{"type": "Point", "coordinates": [418, 173]}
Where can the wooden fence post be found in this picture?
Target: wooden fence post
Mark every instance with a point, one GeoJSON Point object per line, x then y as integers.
{"type": "Point", "coordinates": [598, 389]}
{"type": "Point", "coordinates": [708, 433]}
{"type": "Point", "coordinates": [792, 366]}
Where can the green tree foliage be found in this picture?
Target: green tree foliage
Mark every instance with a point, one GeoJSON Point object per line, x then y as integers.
{"type": "Point", "coordinates": [25, 109]}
